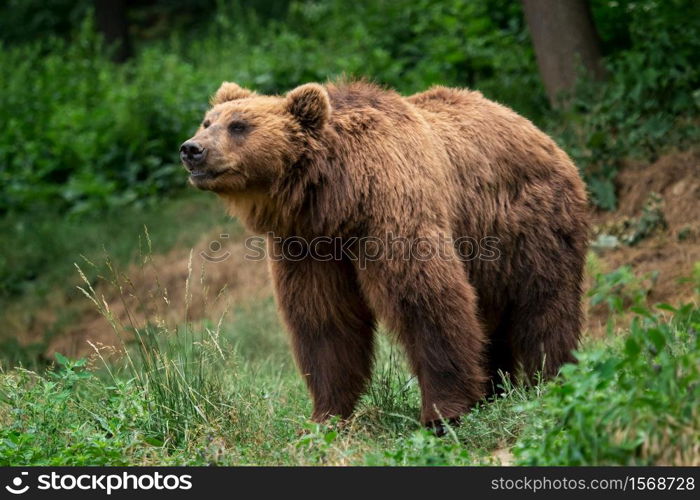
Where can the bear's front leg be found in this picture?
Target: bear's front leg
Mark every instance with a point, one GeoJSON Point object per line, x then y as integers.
{"type": "Point", "coordinates": [331, 331]}
{"type": "Point", "coordinates": [433, 308]}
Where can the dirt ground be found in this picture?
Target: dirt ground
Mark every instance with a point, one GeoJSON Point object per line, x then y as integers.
{"type": "Point", "coordinates": [670, 251]}
{"type": "Point", "coordinates": [161, 292]}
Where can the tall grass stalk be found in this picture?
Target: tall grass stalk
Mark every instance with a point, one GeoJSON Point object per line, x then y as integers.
{"type": "Point", "coordinates": [177, 368]}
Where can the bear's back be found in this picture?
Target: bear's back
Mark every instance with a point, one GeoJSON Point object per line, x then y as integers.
{"type": "Point", "coordinates": [498, 156]}
{"type": "Point", "coordinates": [480, 132]}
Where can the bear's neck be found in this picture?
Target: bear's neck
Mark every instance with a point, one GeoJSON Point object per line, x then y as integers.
{"type": "Point", "coordinates": [257, 210]}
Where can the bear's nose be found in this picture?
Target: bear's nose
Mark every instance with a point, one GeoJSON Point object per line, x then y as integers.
{"type": "Point", "coordinates": [192, 154]}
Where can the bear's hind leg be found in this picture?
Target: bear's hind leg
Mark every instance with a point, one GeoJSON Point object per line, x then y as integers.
{"type": "Point", "coordinates": [545, 329]}
{"type": "Point", "coordinates": [501, 362]}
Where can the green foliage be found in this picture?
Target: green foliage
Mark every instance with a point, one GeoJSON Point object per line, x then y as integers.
{"type": "Point", "coordinates": [629, 401]}
{"type": "Point", "coordinates": [650, 100]}
{"type": "Point", "coordinates": [621, 289]}
{"type": "Point", "coordinates": [177, 369]}
{"type": "Point", "coordinates": [633, 404]}
{"type": "Point", "coordinates": [38, 248]}
{"type": "Point", "coordinates": [37, 276]}
{"type": "Point", "coordinates": [423, 448]}
{"type": "Point", "coordinates": [695, 277]}
{"type": "Point", "coordinates": [317, 440]}
{"type": "Point", "coordinates": [462, 43]}
{"type": "Point", "coordinates": [496, 423]}
{"type": "Point", "coordinates": [22, 20]}
{"type": "Point", "coordinates": [66, 418]}
{"type": "Point", "coordinates": [88, 134]}
{"type": "Point", "coordinates": [392, 395]}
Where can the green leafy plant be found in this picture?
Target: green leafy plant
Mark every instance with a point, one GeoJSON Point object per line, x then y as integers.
{"type": "Point", "coordinates": [621, 289]}
{"type": "Point", "coordinates": [392, 396]}
{"type": "Point", "coordinates": [67, 418]}
{"type": "Point", "coordinates": [423, 448]}
{"type": "Point", "coordinates": [634, 404]}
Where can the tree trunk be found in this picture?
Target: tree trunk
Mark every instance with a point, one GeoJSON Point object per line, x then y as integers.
{"type": "Point", "coordinates": [565, 39]}
{"type": "Point", "coordinates": [111, 19]}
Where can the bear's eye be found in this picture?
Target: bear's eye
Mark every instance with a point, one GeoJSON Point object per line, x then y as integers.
{"type": "Point", "coordinates": [237, 127]}
{"type": "Point", "coordinates": [206, 123]}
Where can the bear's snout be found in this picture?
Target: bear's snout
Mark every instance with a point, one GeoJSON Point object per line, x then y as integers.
{"type": "Point", "coordinates": [192, 154]}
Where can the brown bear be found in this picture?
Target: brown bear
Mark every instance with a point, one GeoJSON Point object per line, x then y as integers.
{"type": "Point", "coordinates": [356, 162]}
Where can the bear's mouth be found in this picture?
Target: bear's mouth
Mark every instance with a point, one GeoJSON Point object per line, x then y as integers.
{"type": "Point", "coordinates": [201, 175]}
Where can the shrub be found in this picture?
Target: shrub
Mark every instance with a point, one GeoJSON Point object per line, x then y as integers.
{"type": "Point", "coordinates": [65, 418]}
{"type": "Point", "coordinates": [621, 289]}
{"type": "Point", "coordinates": [87, 134]}
{"type": "Point", "coordinates": [635, 404]}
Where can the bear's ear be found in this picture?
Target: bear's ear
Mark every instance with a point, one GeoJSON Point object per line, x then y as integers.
{"type": "Point", "coordinates": [310, 105]}
{"type": "Point", "coordinates": [229, 91]}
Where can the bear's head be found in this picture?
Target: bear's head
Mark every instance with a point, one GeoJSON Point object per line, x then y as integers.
{"type": "Point", "coordinates": [249, 141]}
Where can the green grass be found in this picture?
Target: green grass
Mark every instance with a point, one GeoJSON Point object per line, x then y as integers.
{"type": "Point", "coordinates": [227, 393]}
